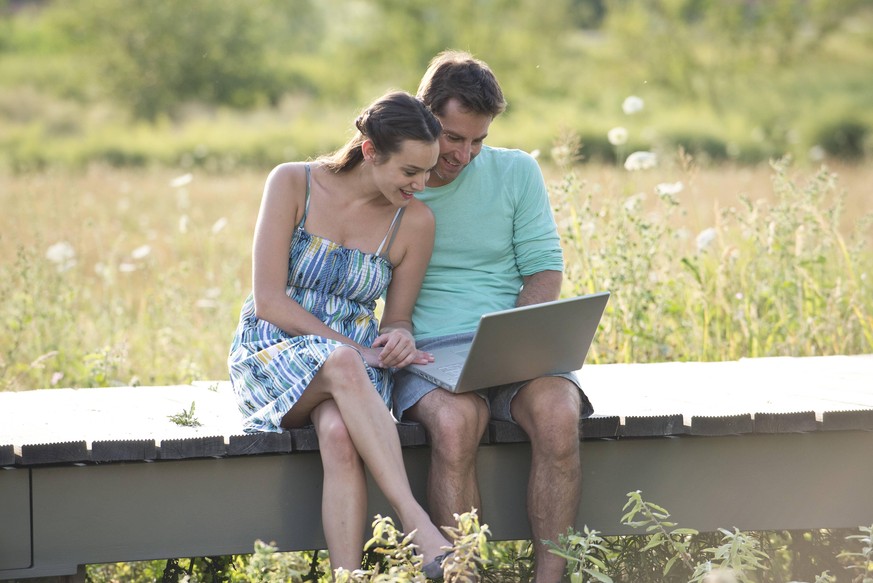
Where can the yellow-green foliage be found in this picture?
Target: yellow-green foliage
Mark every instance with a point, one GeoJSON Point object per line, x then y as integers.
{"type": "Point", "coordinates": [118, 277]}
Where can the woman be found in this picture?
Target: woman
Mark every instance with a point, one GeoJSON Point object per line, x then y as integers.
{"type": "Point", "coordinates": [331, 238]}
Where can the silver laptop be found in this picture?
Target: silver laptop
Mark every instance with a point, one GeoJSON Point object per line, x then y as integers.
{"type": "Point", "coordinates": [519, 344]}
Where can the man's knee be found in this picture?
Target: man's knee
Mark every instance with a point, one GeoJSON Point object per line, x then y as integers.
{"type": "Point", "coordinates": [455, 423]}
{"type": "Point", "coordinates": [548, 409]}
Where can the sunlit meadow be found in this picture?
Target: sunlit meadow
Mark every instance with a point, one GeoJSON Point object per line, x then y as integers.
{"type": "Point", "coordinates": [126, 277]}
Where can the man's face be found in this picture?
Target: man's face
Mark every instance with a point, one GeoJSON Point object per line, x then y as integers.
{"type": "Point", "coordinates": [460, 141]}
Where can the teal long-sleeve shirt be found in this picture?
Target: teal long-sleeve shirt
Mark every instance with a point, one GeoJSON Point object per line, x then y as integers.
{"type": "Point", "coordinates": [494, 226]}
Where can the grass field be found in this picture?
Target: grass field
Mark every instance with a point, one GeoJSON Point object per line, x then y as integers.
{"type": "Point", "coordinates": [125, 277]}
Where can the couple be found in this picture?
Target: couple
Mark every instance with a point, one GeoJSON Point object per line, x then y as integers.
{"type": "Point", "coordinates": [416, 208]}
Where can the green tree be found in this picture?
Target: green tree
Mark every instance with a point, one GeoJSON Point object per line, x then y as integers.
{"type": "Point", "coordinates": [153, 56]}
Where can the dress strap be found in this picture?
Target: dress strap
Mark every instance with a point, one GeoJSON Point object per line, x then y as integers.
{"type": "Point", "coordinates": [392, 232]}
{"type": "Point", "coordinates": [306, 208]}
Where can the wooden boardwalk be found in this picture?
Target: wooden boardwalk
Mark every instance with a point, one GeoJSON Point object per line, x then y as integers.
{"type": "Point", "coordinates": [759, 444]}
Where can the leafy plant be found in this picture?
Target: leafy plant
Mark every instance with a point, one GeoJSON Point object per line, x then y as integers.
{"type": "Point", "coordinates": [186, 418]}
{"type": "Point", "coordinates": [581, 551]}
{"type": "Point", "coordinates": [863, 561]}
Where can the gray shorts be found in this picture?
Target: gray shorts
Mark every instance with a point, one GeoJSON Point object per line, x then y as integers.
{"type": "Point", "coordinates": [409, 387]}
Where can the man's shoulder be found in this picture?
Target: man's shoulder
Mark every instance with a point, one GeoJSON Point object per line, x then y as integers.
{"type": "Point", "coordinates": [507, 154]}
{"type": "Point", "coordinates": [507, 161]}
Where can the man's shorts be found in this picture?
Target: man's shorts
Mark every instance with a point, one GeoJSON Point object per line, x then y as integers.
{"type": "Point", "coordinates": [409, 387]}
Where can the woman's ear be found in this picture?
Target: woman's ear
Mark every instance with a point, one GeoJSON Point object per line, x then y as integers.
{"type": "Point", "coordinates": [368, 150]}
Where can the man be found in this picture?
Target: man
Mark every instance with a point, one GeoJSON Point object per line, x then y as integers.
{"type": "Point", "coordinates": [496, 247]}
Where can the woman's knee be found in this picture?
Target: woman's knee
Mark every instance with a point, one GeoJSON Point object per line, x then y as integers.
{"type": "Point", "coordinates": [344, 368]}
{"type": "Point", "coordinates": [334, 441]}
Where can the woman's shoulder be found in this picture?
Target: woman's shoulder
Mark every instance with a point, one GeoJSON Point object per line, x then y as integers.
{"type": "Point", "coordinates": [418, 214]}
{"type": "Point", "coordinates": [288, 173]}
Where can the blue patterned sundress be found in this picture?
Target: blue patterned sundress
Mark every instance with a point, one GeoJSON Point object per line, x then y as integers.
{"type": "Point", "coordinates": [269, 368]}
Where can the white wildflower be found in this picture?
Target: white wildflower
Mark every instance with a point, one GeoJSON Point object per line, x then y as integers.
{"type": "Point", "coordinates": [219, 225]}
{"type": "Point", "coordinates": [705, 239]}
{"type": "Point", "coordinates": [561, 155]}
{"type": "Point", "coordinates": [617, 136]}
{"type": "Point", "coordinates": [183, 180]}
{"type": "Point", "coordinates": [817, 153]}
{"type": "Point", "coordinates": [669, 189]}
{"type": "Point", "coordinates": [183, 224]}
{"type": "Point", "coordinates": [62, 255]}
{"type": "Point", "coordinates": [641, 161]}
{"type": "Point", "coordinates": [633, 202]}
{"type": "Point", "coordinates": [535, 153]}
{"type": "Point", "coordinates": [56, 378]}
{"type": "Point", "coordinates": [126, 267]}
{"type": "Point", "coordinates": [632, 105]}
{"type": "Point", "coordinates": [141, 252]}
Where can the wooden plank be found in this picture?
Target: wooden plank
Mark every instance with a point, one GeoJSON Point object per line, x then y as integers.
{"type": "Point", "coordinates": [305, 439]}
{"type": "Point", "coordinates": [846, 420]}
{"type": "Point", "coordinates": [124, 450]}
{"type": "Point", "coordinates": [194, 447]}
{"type": "Point", "coordinates": [256, 443]}
{"type": "Point", "coordinates": [282, 501]}
{"type": "Point", "coordinates": [800, 422]}
{"type": "Point", "coordinates": [600, 427]}
{"type": "Point", "coordinates": [722, 425]}
{"type": "Point", "coordinates": [505, 432]}
{"type": "Point", "coordinates": [411, 434]}
{"type": "Point", "coordinates": [15, 530]}
{"type": "Point", "coordinates": [7, 455]}
{"type": "Point", "coordinates": [54, 453]}
{"type": "Point", "coordinates": [654, 426]}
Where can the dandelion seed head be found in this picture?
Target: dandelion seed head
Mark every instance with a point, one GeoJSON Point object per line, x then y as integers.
{"type": "Point", "coordinates": [219, 225]}
{"type": "Point", "coordinates": [617, 136]}
{"type": "Point", "coordinates": [183, 180]}
{"type": "Point", "coordinates": [641, 160]}
{"type": "Point", "coordinates": [141, 252]}
{"type": "Point", "coordinates": [705, 239]}
{"type": "Point", "coordinates": [632, 104]}
{"type": "Point", "coordinates": [817, 153]}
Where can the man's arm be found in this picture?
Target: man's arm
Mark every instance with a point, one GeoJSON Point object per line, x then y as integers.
{"type": "Point", "coordinates": [540, 287]}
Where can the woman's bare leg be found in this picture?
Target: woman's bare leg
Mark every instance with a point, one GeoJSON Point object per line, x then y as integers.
{"type": "Point", "coordinates": [343, 378]}
{"type": "Point", "coordinates": [344, 494]}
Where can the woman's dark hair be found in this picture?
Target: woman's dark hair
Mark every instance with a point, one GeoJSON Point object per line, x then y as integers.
{"type": "Point", "coordinates": [387, 122]}
{"type": "Point", "coordinates": [459, 75]}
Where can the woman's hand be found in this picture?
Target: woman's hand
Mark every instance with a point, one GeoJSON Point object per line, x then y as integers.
{"type": "Point", "coordinates": [398, 349]}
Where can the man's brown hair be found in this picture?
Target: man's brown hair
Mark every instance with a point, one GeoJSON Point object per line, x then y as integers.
{"type": "Point", "coordinates": [458, 75]}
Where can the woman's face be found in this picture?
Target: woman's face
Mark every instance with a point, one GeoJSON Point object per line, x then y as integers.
{"type": "Point", "coordinates": [404, 173]}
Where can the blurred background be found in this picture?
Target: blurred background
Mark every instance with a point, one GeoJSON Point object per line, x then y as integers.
{"type": "Point", "coordinates": [707, 160]}
{"type": "Point", "coordinates": [222, 83]}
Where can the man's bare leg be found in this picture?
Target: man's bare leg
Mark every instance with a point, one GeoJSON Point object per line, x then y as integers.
{"type": "Point", "coordinates": [455, 425]}
{"type": "Point", "coordinates": [548, 410]}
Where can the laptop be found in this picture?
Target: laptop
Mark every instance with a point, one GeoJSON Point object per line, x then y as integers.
{"type": "Point", "coordinates": [519, 344]}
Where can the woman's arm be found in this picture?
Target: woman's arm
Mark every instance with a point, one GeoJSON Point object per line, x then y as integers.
{"type": "Point", "coordinates": [281, 209]}
{"type": "Point", "coordinates": [412, 250]}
